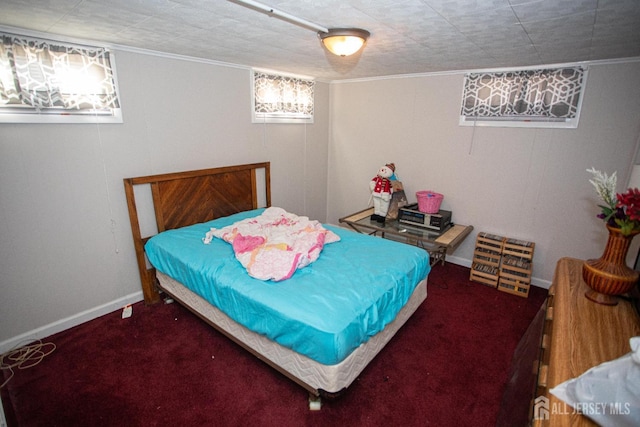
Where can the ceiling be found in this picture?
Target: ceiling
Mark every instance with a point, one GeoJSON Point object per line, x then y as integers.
{"type": "Point", "coordinates": [407, 36]}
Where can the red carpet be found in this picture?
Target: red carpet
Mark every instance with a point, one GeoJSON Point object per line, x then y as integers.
{"type": "Point", "coordinates": [164, 367]}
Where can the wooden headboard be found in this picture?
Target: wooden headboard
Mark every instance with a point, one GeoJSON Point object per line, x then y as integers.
{"type": "Point", "coordinates": [186, 198]}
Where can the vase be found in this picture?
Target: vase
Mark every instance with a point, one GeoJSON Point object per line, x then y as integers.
{"type": "Point", "coordinates": [609, 275]}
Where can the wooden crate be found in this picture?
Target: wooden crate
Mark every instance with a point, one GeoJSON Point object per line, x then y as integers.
{"type": "Point", "coordinates": [485, 267]}
{"type": "Point", "coordinates": [518, 248]}
{"type": "Point", "coordinates": [516, 267]}
{"type": "Point", "coordinates": [483, 256]}
{"type": "Point", "coordinates": [489, 242]}
{"type": "Point", "coordinates": [503, 263]}
{"type": "Point", "coordinates": [485, 274]}
{"type": "Point", "coordinates": [513, 286]}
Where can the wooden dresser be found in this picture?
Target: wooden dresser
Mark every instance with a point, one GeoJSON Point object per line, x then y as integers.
{"type": "Point", "coordinates": [578, 335]}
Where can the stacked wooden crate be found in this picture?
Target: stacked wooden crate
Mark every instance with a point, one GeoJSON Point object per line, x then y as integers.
{"type": "Point", "coordinates": [485, 267]}
{"type": "Point", "coordinates": [503, 263]}
{"type": "Point", "coordinates": [516, 266]}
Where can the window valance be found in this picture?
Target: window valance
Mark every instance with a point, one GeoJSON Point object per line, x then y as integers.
{"type": "Point", "coordinates": [527, 95]}
{"type": "Point", "coordinates": [43, 76]}
{"type": "Point", "coordinates": [282, 97]}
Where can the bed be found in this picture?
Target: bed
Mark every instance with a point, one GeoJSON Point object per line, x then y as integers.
{"type": "Point", "coordinates": [320, 343]}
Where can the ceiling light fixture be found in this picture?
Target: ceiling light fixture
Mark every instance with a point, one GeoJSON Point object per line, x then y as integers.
{"type": "Point", "coordinates": [339, 41]}
{"type": "Point", "coordinates": [344, 41]}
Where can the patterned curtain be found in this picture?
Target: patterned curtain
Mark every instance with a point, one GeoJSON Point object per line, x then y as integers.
{"type": "Point", "coordinates": [551, 93]}
{"type": "Point", "coordinates": [282, 95]}
{"type": "Point", "coordinates": [43, 74]}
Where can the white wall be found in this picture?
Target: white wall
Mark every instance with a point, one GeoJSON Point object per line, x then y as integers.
{"type": "Point", "coordinates": [530, 184]}
{"type": "Point", "coordinates": [66, 252]}
{"type": "Point", "coordinates": [65, 245]}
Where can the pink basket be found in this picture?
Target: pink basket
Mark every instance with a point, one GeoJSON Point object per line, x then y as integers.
{"type": "Point", "coordinates": [429, 202]}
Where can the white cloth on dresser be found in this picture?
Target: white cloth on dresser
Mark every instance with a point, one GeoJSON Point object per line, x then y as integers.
{"type": "Point", "coordinates": [609, 393]}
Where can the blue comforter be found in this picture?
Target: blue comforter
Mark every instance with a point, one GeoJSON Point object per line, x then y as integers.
{"type": "Point", "coordinates": [324, 311]}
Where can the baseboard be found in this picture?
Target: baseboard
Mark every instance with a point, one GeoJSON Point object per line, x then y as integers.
{"type": "Point", "coordinates": [69, 322]}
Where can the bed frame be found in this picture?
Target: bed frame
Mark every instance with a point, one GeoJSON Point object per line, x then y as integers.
{"type": "Point", "coordinates": [192, 197]}
{"type": "Point", "coordinates": [186, 198]}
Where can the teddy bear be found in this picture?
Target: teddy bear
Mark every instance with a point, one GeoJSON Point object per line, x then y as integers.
{"type": "Point", "coordinates": [381, 190]}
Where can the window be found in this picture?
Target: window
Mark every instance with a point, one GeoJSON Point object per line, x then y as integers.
{"type": "Point", "coordinates": [42, 81]}
{"type": "Point", "coordinates": [526, 98]}
{"type": "Point", "coordinates": [281, 99]}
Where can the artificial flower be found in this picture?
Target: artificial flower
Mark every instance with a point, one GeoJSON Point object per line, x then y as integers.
{"type": "Point", "coordinates": [619, 210]}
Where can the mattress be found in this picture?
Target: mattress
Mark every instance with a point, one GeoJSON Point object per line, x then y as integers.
{"type": "Point", "coordinates": [323, 312]}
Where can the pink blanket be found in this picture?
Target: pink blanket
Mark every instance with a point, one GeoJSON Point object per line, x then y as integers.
{"type": "Point", "coordinates": [273, 245]}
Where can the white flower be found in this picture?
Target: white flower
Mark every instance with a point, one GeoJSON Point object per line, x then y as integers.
{"type": "Point", "coordinates": [605, 186]}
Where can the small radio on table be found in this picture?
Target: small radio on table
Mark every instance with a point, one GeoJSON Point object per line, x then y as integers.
{"type": "Point", "coordinates": [411, 215]}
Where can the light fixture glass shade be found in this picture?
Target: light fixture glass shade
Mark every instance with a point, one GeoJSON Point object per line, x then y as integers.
{"type": "Point", "coordinates": [344, 41]}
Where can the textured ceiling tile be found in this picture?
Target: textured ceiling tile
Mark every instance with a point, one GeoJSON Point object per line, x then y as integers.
{"type": "Point", "coordinates": [621, 5]}
{"type": "Point", "coordinates": [617, 50]}
{"type": "Point", "coordinates": [144, 7]}
{"type": "Point", "coordinates": [193, 17]}
{"type": "Point", "coordinates": [505, 52]}
{"type": "Point", "coordinates": [455, 45]}
{"type": "Point", "coordinates": [484, 21]}
{"type": "Point", "coordinates": [170, 29]}
{"type": "Point", "coordinates": [407, 36]}
{"type": "Point", "coordinates": [611, 20]}
{"type": "Point", "coordinates": [455, 8]}
{"type": "Point", "coordinates": [552, 9]}
{"type": "Point", "coordinates": [507, 35]}
{"type": "Point", "coordinates": [562, 30]}
{"type": "Point", "coordinates": [142, 37]}
{"type": "Point", "coordinates": [403, 15]}
{"type": "Point", "coordinates": [56, 6]}
{"type": "Point", "coordinates": [572, 54]}
{"type": "Point", "coordinates": [38, 15]}
{"type": "Point", "coordinates": [622, 38]}
{"type": "Point", "coordinates": [330, 13]}
{"type": "Point", "coordinates": [101, 12]}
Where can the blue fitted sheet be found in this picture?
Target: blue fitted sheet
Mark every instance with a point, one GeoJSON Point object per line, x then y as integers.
{"type": "Point", "coordinates": [324, 311]}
